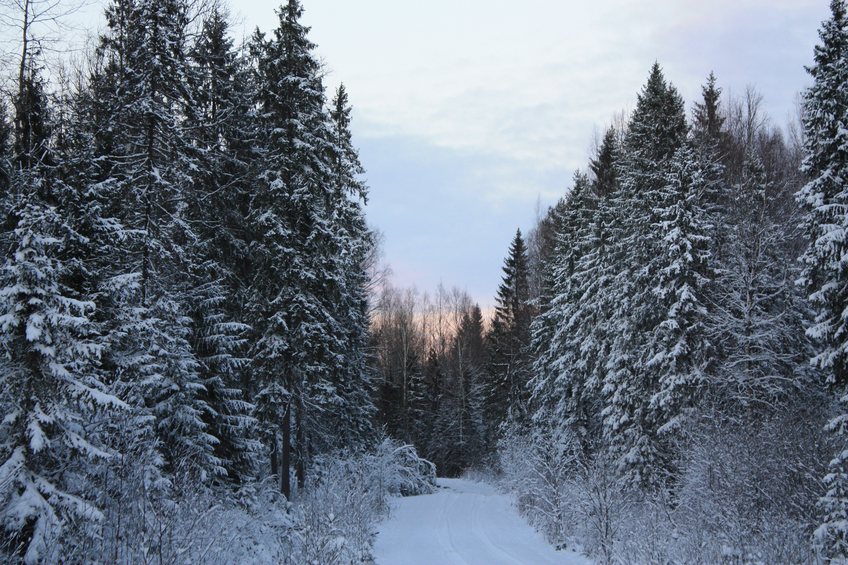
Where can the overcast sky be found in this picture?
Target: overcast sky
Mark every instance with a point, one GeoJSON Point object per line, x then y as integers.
{"type": "Point", "coordinates": [469, 111]}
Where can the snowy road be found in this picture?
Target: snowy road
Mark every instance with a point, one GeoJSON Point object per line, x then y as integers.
{"type": "Point", "coordinates": [463, 523]}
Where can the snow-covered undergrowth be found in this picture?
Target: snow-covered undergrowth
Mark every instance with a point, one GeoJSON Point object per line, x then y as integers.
{"type": "Point", "coordinates": [331, 521]}
{"type": "Point", "coordinates": [744, 495]}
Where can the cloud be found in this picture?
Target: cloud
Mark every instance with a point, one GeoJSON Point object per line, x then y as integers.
{"type": "Point", "coordinates": [493, 77]}
{"type": "Point", "coordinates": [467, 112]}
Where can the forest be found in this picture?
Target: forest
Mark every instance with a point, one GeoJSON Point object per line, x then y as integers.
{"type": "Point", "coordinates": [203, 357]}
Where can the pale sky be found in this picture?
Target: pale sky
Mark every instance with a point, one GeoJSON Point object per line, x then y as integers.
{"type": "Point", "coordinates": [466, 112]}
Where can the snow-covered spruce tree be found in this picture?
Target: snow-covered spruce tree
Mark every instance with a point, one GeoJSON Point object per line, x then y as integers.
{"type": "Point", "coordinates": [508, 344]}
{"type": "Point", "coordinates": [49, 383]}
{"type": "Point", "coordinates": [678, 351]}
{"type": "Point", "coordinates": [354, 240]}
{"type": "Point", "coordinates": [709, 139]}
{"type": "Point", "coordinates": [541, 260]}
{"type": "Point", "coordinates": [148, 158]}
{"type": "Point", "coordinates": [656, 131]}
{"type": "Point", "coordinates": [218, 210]}
{"type": "Point", "coordinates": [560, 371]}
{"type": "Point", "coordinates": [604, 165]}
{"type": "Point", "coordinates": [825, 117]}
{"type": "Point", "coordinates": [297, 281]}
{"type": "Point", "coordinates": [584, 336]}
{"type": "Point", "coordinates": [590, 330]}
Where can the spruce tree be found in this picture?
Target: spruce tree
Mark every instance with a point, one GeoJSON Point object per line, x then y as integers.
{"type": "Point", "coordinates": [509, 343]}
{"type": "Point", "coordinates": [678, 349]}
{"type": "Point", "coordinates": [221, 266]}
{"type": "Point", "coordinates": [148, 157]}
{"type": "Point", "coordinates": [656, 131]}
{"type": "Point", "coordinates": [824, 198]}
{"type": "Point", "coordinates": [603, 165]}
{"type": "Point", "coordinates": [354, 242]}
{"type": "Point", "coordinates": [710, 141]}
{"type": "Point", "coordinates": [296, 248]}
{"type": "Point", "coordinates": [48, 371]}
{"type": "Point", "coordinates": [707, 121]}
{"type": "Point", "coordinates": [560, 370]}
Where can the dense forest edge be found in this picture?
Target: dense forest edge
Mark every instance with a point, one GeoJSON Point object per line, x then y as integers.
{"type": "Point", "coordinates": [203, 359]}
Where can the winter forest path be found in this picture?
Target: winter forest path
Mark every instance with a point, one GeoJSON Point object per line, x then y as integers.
{"type": "Point", "coordinates": [463, 523]}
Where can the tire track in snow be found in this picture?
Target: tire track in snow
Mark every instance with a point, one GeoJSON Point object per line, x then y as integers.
{"type": "Point", "coordinates": [463, 523]}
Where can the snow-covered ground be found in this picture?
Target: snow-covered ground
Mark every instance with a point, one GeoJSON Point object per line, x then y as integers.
{"type": "Point", "coordinates": [464, 522]}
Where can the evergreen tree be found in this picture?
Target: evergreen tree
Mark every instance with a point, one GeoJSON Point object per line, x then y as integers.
{"type": "Point", "coordinates": [678, 351]}
{"type": "Point", "coordinates": [603, 165]}
{"type": "Point", "coordinates": [296, 248]}
{"type": "Point", "coordinates": [354, 242]}
{"type": "Point", "coordinates": [707, 121]}
{"type": "Point", "coordinates": [710, 140]}
{"type": "Point", "coordinates": [825, 274]}
{"type": "Point", "coordinates": [560, 338]}
{"type": "Point", "coordinates": [221, 265]}
{"type": "Point", "coordinates": [148, 158]}
{"type": "Point", "coordinates": [48, 369]}
{"type": "Point", "coordinates": [656, 131]}
{"type": "Point", "coordinates": [509, 343]}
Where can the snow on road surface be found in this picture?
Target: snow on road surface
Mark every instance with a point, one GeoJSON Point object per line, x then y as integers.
{"type": "Point", "coordinates": [463, 523]}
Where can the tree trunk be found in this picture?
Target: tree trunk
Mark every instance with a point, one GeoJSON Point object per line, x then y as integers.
{"type": "Point", "coordinates": [275, 453]}
{"type": "Point", "coordinates": [285, 485]}
{"type": "Point", "coordinates": [300, 462]}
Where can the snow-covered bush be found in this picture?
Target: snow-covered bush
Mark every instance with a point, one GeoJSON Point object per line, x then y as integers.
{"type": "Point", "coordinates": [335, 518]}
{"type": "Point", "coordinates": [536, 468]}
{"type": "Point", "coordinates": [747, 489]}
{"type": "Point", "coordinates": [596, 502]}
{"type": "Point", "coordinates": [190, 526]}
{"type": "Point", "coordinates": [331, 521]}
{"type": "Point", "coordinates": [744, 493]}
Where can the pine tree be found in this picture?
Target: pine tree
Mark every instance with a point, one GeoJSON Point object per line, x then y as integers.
{"type": "Point", "coordinates": [825, 274]}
